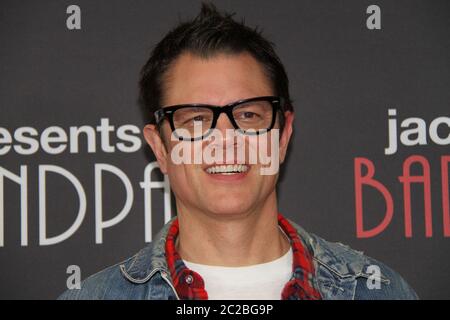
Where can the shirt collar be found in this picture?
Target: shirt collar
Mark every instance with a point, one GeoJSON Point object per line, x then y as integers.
{"type": "Point", "coordinates": [190, 285]}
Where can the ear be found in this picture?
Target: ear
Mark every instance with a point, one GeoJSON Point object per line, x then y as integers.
{"type": "Point", "coordinates": [286, 134]}
{"type": "Point", "coordinates": [155, 142]}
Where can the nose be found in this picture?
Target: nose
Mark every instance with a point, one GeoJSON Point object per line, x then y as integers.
{"type": "Point", "coordinates": [228, 142]}
{"type": "Point", "coordinates": [224, 123]}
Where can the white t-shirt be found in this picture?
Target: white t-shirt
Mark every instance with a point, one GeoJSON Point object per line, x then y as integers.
{"type": "Point", "coordinates": [263, 281]}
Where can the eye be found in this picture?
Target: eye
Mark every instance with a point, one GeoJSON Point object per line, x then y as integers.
{"type": "Point", "coordinates": [198, 118]}
{"type": "Point", "coordinates": [248, 115]}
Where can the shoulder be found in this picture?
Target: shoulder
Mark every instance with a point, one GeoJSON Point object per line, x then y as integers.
{"type": "Point", "coordinates": [342, 268]}
{"type": "Point", "coordinates": [109, 283]}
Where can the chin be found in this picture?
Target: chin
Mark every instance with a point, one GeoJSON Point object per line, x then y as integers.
{"type": "Point", "coordinates": [229, 209]}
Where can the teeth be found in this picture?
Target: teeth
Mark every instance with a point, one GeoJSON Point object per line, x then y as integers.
{"type": "Point", "coordinates": [228, 169]}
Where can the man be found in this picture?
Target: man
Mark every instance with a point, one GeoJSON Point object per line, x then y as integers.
{"type": "Point", "coordinates": [228, 241]}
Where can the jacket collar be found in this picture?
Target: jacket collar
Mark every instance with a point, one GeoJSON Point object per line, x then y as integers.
{"type": "Point", "coordinates": [333, 256]}
{"type": "Point", "coordinates": [337, 258]}
{"type": "Point", "coordinates": [149, 260]}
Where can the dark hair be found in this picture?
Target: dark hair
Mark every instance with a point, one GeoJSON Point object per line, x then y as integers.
{"type": "Point", "coordinates": [208, 34]}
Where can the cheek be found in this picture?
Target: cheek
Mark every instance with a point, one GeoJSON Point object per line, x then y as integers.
{"type": "Point", "coordinates": [267, 182]}
{"type": "Point", "coordinates": [264, 146]}
{"type": "Point", "coordinates": [183, 177]}
{"type": "Point", "coordinates": [180, 183]}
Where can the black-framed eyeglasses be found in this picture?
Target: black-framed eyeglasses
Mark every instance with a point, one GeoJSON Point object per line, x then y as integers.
{"type": "Point", "coordinates": [252, 116]}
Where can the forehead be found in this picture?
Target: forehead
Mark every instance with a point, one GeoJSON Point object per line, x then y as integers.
{"type": "Point", "coordinates": [218, 80]}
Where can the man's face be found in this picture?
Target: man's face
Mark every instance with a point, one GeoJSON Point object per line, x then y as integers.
{"type": "Point", "coordinates": [218, 80]}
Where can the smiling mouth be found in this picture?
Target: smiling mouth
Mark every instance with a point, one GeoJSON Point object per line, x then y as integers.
{"type": "Point", "coordinates": [228, 169]}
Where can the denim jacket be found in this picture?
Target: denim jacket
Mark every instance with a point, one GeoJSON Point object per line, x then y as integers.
{"type": "Point", "coordinates": [341, 274]}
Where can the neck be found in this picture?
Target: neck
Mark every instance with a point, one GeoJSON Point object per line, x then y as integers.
{"type": "Point", "coordinates": [231, 241]}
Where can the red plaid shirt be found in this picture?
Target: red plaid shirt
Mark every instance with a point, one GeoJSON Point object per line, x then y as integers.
{"type": "Point", "coordinates": [190, 285]}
